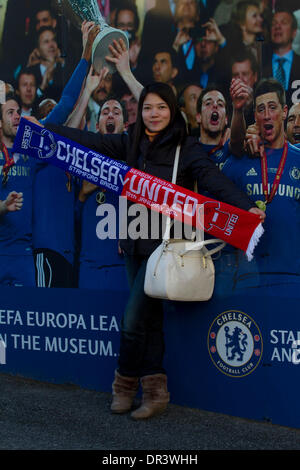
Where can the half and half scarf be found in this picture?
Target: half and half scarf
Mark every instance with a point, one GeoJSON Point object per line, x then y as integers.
{"type": "Point", "coordinates": [235, 226]}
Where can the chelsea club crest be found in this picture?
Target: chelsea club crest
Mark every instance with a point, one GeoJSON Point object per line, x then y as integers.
{"type": "Point", "coordinates": [235, 343]}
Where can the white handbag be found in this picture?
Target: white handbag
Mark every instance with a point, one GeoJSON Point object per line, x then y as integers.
{"type": "Point", "coordinates": [181, 269]}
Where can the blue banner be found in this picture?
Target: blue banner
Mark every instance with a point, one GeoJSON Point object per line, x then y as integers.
{"type": "Point", "coordinates": [71, 157]}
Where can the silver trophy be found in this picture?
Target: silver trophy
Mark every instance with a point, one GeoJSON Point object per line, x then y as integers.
{"type": "Point", "coordinates": [80, 10]}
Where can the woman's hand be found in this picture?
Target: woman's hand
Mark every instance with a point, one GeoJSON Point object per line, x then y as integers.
{"type": "Point", "coordinates": [257, 211]}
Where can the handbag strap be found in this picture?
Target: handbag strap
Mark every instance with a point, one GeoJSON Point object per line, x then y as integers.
{"type": "Point", "coordinates": [175, 167]}
{"type": "Point", "coordinates": [169, 222]}
{"type": "Point", "coordinates": [192, 246]}
{"type": "Point", "coordinates": [217, 241]}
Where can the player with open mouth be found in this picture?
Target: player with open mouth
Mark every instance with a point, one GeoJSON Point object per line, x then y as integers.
{"type": "Point", "coordinates": [110, 117]}
{"type": "Point", "coordinates": [213, 115]}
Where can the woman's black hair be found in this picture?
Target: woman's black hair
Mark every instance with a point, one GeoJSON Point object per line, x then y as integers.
{"type": "Point", "coordinates": [177, 122]}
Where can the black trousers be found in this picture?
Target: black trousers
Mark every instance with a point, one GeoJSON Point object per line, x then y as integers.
{"type": "Point", "coordinates": [142, 340]}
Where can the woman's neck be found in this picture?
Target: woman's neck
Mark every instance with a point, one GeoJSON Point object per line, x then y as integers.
{"type": "Point", "coordinates": [248, 38]}
{"type": "Point", "coordinates": [151, 135]}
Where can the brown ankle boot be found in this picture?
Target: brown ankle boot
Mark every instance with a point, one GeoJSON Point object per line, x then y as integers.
{"type": "Point", "coordinates": [155, 396]}
{"type": "Point", "coordinates": [124, 390]}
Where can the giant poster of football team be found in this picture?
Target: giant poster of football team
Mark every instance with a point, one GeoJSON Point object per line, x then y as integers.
{"type": "Point", "coordinates": [233, 70]}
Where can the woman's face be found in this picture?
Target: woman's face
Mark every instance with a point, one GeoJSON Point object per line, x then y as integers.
{"type": "Point", "coordinates": [155, 113]}
{"type": "Point", "coordinates": [253, 20]}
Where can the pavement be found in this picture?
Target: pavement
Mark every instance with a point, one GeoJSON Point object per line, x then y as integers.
{"type": "Point", "coordinates": [38, 416]}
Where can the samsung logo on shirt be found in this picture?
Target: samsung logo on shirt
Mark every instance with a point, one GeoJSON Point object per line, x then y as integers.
{"type": "Point", "coordinates": [17, 170]}
{"type": "Point", "coordinates": [284, 190]}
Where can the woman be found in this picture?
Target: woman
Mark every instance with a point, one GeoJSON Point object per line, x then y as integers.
{"type": "Point", "coordinates": [246, 23]}
{"type": "Point", "coordinates": [249, 19]}
{"type": "Point", "coordinates": [150, 146]}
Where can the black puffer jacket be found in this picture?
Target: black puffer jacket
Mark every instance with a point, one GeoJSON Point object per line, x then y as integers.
{"type": "Point", "coordinates": [157, 158]}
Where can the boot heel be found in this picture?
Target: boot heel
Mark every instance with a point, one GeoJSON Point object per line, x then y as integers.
{"type": "Point", "coordinates": [155, 396]}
